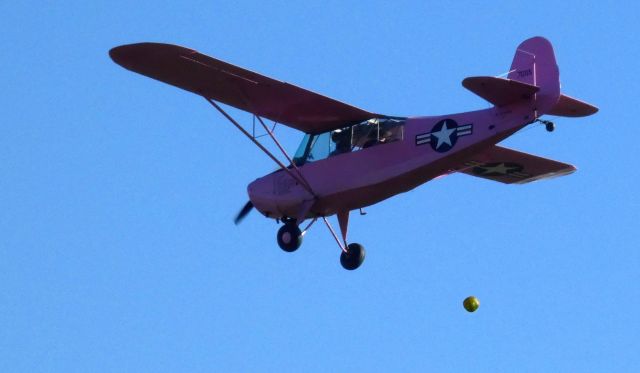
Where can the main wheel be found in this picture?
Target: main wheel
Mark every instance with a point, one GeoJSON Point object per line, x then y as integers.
{"type": "Point", "coordinates": [353, 258]}
{"type": "Point", "coordinates": [289, 237]}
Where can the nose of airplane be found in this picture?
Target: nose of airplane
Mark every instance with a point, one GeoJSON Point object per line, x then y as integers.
{"type": "Point", "coordinates": [262, 198]}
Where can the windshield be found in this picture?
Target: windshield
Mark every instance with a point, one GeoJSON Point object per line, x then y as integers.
{"type": "Point", "coordinates": [348, 139]}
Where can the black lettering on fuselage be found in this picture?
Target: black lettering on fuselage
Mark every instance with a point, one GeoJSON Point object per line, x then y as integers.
{"type": "Point", "coordinates": [523, 73]}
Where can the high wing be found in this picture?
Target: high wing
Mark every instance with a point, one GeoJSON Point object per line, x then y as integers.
{"type": "Point", "coordinates": [217, 80]}
{"type": "Point", "coordinates": [513, 167]}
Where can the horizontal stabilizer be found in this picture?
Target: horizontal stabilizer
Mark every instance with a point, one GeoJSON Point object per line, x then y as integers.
{"type": "Point", "coordinates": [513, 167]}
{"type": "Point", "coordinates": [500, 91]}
{"type": "Point", "coordinates": [571, 107]}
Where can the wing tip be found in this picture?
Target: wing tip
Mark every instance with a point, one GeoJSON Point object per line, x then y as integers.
{"type": "Point", "coordinates": [129, 55]}
{"type": "Point", "coordinates": [550, 175]}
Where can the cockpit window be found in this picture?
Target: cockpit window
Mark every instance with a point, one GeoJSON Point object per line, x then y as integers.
{"type": "Point", "coordinates": [359, 136]}
{"type": "Point", "coordinates": [377, 131]}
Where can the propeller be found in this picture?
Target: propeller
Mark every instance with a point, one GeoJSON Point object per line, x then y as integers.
{"type": "Point", "coordinates": [243, 213]}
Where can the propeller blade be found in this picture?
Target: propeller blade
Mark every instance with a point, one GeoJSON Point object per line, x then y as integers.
{"type": "Point", "coordinates": [243, 213]}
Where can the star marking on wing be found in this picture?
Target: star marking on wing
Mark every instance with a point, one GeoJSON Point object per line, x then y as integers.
{"type": "Point", "coordinates": [444, 135]}
{"type": "Point", "coordinates": [500, 168]}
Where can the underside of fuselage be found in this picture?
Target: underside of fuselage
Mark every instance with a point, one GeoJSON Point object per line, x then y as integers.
{"type": "Point", "coordinates": [371, 194]}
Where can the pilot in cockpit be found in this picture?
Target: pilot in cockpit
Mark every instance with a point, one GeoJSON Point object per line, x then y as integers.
{"type": "Point", "coordinates": [342, 139]}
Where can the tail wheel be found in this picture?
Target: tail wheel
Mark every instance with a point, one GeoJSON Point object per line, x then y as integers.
{"type": "Point", "coordinates": [289, 237]}
{"type": "Point", "coordinates": [549, 126]}
{"type": "Point", "coordinates": [353, 258]}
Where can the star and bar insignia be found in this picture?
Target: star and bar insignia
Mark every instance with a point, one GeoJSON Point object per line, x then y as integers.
{"type": "Point", "coordinates": [444, 135]}
{"type": "Point", "coordinates": [494, 169]}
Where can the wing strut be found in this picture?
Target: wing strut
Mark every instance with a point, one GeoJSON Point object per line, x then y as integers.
{"type": "Point", "coordinates": [297, 175]}
{"type": "Point", "coordinates": [270, 132]}
{"type": "Point", "coordinates": [343, 245]}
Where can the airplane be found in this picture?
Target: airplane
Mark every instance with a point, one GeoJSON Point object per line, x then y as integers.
{"type": "Point", "coordinates": [350, 158]}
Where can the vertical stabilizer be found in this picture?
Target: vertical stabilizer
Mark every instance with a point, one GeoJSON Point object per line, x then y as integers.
{"type": "Point", "coordinates": [535, 63]}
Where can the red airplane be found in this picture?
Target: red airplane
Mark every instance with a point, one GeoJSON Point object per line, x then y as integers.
{"type": "Point", "coordinates": [351, 158]}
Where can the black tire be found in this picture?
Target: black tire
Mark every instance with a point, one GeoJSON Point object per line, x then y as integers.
{"type": "Point", "coordinates": [289, 237]}
{"type": "Point", "coordinates": [550, 127]}
{"type": "Point", "coordinates": [353, 258]}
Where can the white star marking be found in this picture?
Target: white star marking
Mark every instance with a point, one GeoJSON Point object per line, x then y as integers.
{"type": "Point", "coordinates": [499, 169]}
{"type": "Point", "coordinates": [444, 135]}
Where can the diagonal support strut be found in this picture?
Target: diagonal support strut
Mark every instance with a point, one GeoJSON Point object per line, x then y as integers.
{"type": "Point", "coordinates": [297, 177]}
{"type": "Point", "coordinates": [342, 245]}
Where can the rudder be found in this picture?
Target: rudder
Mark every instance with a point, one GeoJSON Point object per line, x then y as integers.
{"type": "Point", "coordinates": [535, 63]}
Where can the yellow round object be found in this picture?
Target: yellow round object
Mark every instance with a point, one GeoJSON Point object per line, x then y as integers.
{"type": "Point", "coordinates": [471, 304]}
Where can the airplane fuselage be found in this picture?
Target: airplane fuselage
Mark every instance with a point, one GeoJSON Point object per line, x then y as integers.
{"type": "Point", "coordinates": [431, 146]}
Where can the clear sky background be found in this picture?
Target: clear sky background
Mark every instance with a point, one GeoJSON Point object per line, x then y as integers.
{"type": "Point", "coordinates": [117, 194]}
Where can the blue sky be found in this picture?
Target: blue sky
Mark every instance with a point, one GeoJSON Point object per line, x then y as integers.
{"type": "Point", "coordinates": [117, 247]}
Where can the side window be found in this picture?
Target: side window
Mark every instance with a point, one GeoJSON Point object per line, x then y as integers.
{"type": "Point", "coordinates": [341, 141]}
{"type": "Point", "coordinates": [363, 135]}
{"type": "Point", "coordinates": [377, 131]}
{"type": "Point", "coordinates": [392, 130]}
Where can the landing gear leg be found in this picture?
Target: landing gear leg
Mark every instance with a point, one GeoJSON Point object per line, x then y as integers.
{"type": "Point", "coordinates": [289, 236]}
{"type": "Point", "coordinates": [352, 255]}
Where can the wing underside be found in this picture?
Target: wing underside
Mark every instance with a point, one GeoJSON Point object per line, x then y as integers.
{"type": "Point", "coordinates": [513, 167]}
{"type": "Point", "coordinates": [209, 77]}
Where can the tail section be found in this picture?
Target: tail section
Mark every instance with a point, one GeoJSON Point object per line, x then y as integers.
{"type": "Point", "coordinates": [532, 80]}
